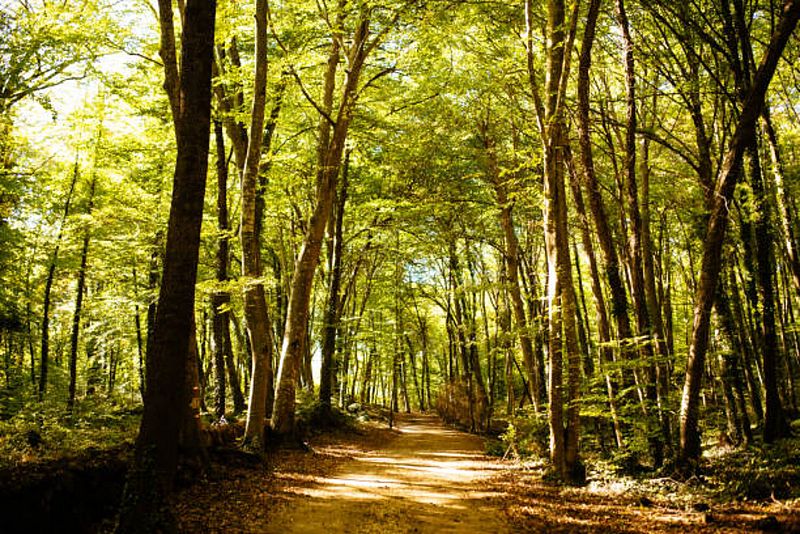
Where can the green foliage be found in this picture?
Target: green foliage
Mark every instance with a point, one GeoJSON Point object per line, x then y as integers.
{"type": "Point", "coordinates": [527, 434]}
{"type": "Point", "coordinates": [42, 432]}
{"type": "Point", "coordinates": [757, 473]}
{"type": "Point", "coordinates": [44, 43]}
{"type": "Point", "coordinates": [312, 417]}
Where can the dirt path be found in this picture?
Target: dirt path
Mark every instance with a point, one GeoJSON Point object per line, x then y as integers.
{"type": "Point", "coordinates": [426, 480]}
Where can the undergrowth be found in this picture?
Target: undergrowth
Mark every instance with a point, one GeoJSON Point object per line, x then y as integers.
{"type": "Point", "coordinates": [760, 472]}
{"type": "Point", "coordinates": [41, 432]}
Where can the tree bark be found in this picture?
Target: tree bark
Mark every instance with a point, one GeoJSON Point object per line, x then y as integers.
{"type": "Point", "coordinates": [712, 245]}
{"type": "Point", "coordinates": [79, 291]}
{"type": "Point", "coordinates": [303, 276]}
{"type": "Point", "coordinates": [255, 304]}
{"type": "Point", "coordinates": [144, 505]}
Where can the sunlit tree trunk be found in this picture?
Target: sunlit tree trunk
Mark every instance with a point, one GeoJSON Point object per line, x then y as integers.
{"type": "Point", "coordinates": [718, 220]}
{"type": "Point", "coordinates": [255, 304]}
{"type": "Point", "coordinates": [303, 276]}
{"type": "Point", "coordinates": [564, 431]}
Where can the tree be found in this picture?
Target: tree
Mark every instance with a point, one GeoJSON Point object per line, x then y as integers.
{"type": "Point", "coordinates": [564, 432]}
{"type": "Point", "coordinates": [144, 506]}
{"type": "Point", "coordinates": [712, 245]}
{"type": "Point", "coordinates": [294, 338]}
{"type": "Point", "coordinates": [255, 306]}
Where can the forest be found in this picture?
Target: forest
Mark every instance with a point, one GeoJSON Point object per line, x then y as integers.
{"type": "Point", "coordinates": [544, 251]}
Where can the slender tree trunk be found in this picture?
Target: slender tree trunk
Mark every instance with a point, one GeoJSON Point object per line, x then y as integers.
{"type": "Point", "coordinates": [717, 224]}
{"type": "Point", "coordinates": [730, 372]}
{"type": "Point", "coordinates": [619, 299]}
{"type": "Point", "coordinates": [303, 276]}
{"type": "Point", "coordinates": [775, 424]}
{"type": "Point", "coordinates": [234, 381]}
{"type": "Point", "coordinates": [139, 337]}
{"type": "Point", "coordinates": [605, 352]}
{"type": "Point", "coordinates": [581, 316]}
{"type": "Point", "coordinates": [221, 298]}
{"type": "Point", "coordinates": [787, 221]}
{"type": "Point", "coordinates": [48, 286]}
{"type": "Point", "coordinates": [636, 249]}
{"type": "Point", "coordinates": [412, 360]}
{"type": "Point", "coordinates": [511, 257]}
{"type": "Point", "coordinates": [79, 291]}
{"type": "Point", "coordinates": [748, 354]}
{"type": "Point", "coordinates": [331, 320]}
{"type": "Point", "coordinates": [153, 279]}
{"type": "Point", "coordinates": [255, 305]}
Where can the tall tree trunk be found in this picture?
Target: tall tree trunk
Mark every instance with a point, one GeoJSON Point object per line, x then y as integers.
{"type": "Point", "coordinates": [331, 320]}
{"type": "Point", "coordinates": [717, 224]}
{"type": "Point", "coordinates": [221, 298]}
{"type": "Point", "coordinates": [412, 360]}
{"type": "Point", "coordinates": [255, 304]}
{"type": "Point", "coordinates": [748, 354]}
{"type": "Point", "coordinates": [730, 362]}
{"type": "Point", "coordinates": [233, 373]}
{"type": "Point", "coordinates": [145, 507]}
{"type": "Point", "coordinates": [619, 299]}
{"type": "Point", "coordinates": [775, 424]}
{"type": "Point", "coordinates": [504, 325]}
{"type": "Point", "coordinates": [605, 352]}
{"type": "Point", "coordinates": [48, 287]}
{"type": "Point", "coordinates": [787, 221]}
{"type": "Point", "coordinates": [79, 291]}
{"type": "Point", "coordinates": [564, 431]}
{"type": "Point", "coordinates": [153, 278]}
{"type": "Point", "coordinates": [636, 249]}
{"type": "Point", "coordinates": [303, 276]}
{"type": "Point", "coordinates": [139, 337]}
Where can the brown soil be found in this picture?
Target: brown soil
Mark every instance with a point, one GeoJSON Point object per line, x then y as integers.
{"type": "Point", "coordinates": [426, 480]}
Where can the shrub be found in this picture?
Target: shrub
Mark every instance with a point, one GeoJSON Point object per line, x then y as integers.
{"type": "Point", "coordinates": [527, 434]}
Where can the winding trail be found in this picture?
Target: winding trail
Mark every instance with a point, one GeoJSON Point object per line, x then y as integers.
{"type": "Point", "coordinates": [427, 480]}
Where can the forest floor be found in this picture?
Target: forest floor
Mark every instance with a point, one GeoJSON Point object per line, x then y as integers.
{"type": "Point", "coordinates": [420, 477]}
{"type": "Point", "coordinates": [424, 477]}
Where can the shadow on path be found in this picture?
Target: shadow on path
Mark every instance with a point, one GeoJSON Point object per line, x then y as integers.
{"type": "Point", "coordinates": [426, 480]}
